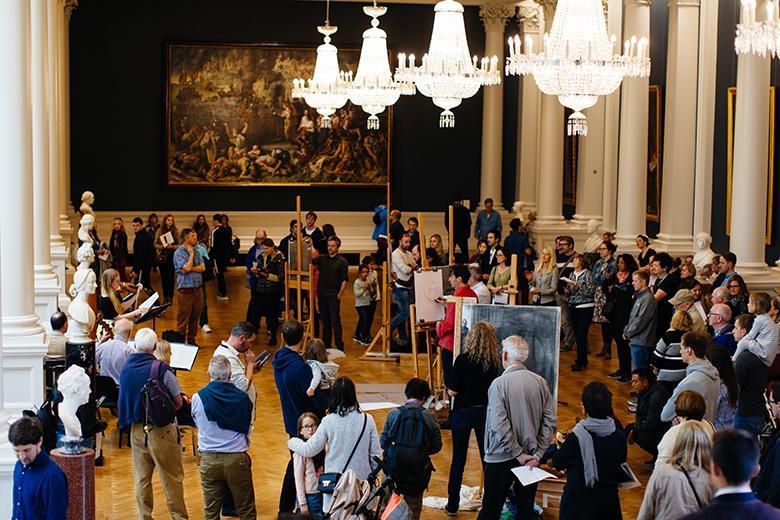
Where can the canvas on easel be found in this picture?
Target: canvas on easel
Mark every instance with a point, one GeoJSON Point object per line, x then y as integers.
{"type": "Point", "coordinates": [428, 287]}
{"type": "Point", "coordinates": [306, 254]}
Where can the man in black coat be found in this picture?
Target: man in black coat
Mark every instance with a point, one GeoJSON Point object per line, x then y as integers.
{"type": "Point", "coordinates": [648, 429]}
{"type": "Point", "coordinates": [221, 252]}
{"type": "Point", "coordinates": [143, 253]}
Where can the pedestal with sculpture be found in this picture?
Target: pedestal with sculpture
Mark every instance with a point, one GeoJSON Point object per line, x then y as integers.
{"type": "Point", "coordinates": [76, 461]}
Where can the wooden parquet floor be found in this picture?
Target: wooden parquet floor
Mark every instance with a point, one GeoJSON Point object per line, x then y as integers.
{"type": "Point", "coordinates": [114, 481]}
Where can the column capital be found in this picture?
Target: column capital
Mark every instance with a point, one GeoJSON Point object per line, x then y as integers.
{"type": "Point", "coordinates": [69, 6]}
{"type": "Point", "coordinates": [495, 16]}
{"type": "Point", "coordinates": [640, 3]}
{"type": "Point", "coordinates": [549, 7]}
{"type": "Point", "coordinates": [530, 16]}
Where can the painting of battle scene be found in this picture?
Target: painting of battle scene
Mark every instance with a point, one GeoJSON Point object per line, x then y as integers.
{"type": "Point", "coordinates": [231, 120]}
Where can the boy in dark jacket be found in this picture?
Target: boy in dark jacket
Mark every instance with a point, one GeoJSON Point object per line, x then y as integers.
{"type": "Point", "coordinates": [292, 376]}
{"type": "Point", "coordinates": [648, 429]}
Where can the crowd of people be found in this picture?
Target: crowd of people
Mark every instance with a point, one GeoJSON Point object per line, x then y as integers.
{"type": "Point", "coordinates": [697, 349]}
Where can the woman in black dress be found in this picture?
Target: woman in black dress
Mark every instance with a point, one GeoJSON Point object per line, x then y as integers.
{"type": "Point", "coordinates": [117, 245]}
{"type": "Point", "coordinates": [646, 253]}
{"type": "Point", "coordinates": [165, 255]}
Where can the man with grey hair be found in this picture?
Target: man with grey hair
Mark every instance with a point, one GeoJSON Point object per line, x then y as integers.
{"type": "Point", "coordinates": [522, 420]}
{"type": "Point", "coordinates": [722, 295]}
{"type": "Point", "coordinates": [153, 445]}
{"type": "Point", "coordinates": [719, 318]}
{"type": "Point", "coordinates": [112, 355]}
{"type": "Point", "coordinates": [223, 416]}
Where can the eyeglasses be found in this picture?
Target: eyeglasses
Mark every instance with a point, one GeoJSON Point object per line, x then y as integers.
{"type": "Point", "coordinates": [733, 286]}
{"type": "Point", "coordinates": [309, 427]}
{"type": "Point", "coordinates": [715, 314]}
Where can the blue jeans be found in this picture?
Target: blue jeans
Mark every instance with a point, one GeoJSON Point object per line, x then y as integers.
{"type": "Point", "coordinates": [314, 502]}
{"type": "Point", "coordinates": [749, 423]}
{"type": "Point", "coordinates": [401, 297]}
{"type": "Point", "coordinates": [363, 329]}
{"type": "Point", "coordinates": [640, 356]}
{"type": "Point", "coordinates": [462, 421]}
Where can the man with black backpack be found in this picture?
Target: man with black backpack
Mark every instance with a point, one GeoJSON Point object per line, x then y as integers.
{"type": "Point", "coordinates": [149, 395]}
{"type": "Point", "coordinates": [411, 435]}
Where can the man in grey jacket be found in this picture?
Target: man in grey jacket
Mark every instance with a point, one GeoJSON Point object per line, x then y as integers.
{"type": "Point", "coordinates": [640, 330]}
{"type": "Point", "coordinates": [520, 424]}
{"type": "Point", "coordinates": [700, 376]}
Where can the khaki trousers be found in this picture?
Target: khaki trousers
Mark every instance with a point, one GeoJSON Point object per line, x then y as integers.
{"type": "Point", "coordinates": [188, 312]}
{"type": "Point", "coordinates": [161, 449]}
{"type": "Point", "coordinates": [233, 469]}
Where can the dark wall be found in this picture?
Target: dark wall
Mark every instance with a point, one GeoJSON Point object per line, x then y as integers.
{"type": "Point", "coordinates": [728, 16]}
{"type": "Point", "coordinates": [659, 43]}
{"type": "Point", "coordinates": [117, 104]}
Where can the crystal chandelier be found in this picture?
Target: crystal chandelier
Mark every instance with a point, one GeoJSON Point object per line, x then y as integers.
{"type": "Point", "coordinates": [373, 88]}
{"type": "Point", "coordinates": [327, 90]}
{"type": "Point", "coordinates": [758, 37]}
{"type": "Point", "coordinates": [578, 63]}
{"type": "Point", "coordinates": [447, 73]}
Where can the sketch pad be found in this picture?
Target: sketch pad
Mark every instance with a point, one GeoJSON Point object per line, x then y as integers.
{"type": "Point", "coordinates": [183, 356]}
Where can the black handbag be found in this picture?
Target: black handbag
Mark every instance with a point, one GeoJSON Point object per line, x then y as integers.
{"type": "Point", "coordinates": [327, 482]}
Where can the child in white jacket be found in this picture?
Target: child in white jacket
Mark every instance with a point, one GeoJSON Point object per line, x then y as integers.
{"type": "Point", "coordinates": [323, 371]}
{"type": "Point", "coordinates": [763, 338]}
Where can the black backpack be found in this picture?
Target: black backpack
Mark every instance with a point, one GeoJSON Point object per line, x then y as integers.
{"type": "Point", "coordinates": [158, 405]}
{"type": "Point", "coordinates": [406, 454]}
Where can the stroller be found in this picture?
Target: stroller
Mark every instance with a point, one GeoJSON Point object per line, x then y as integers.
{"type": "Point", "coordinates": [355, 499]}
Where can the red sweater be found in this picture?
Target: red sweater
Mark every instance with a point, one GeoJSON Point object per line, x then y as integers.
{"type": "Point", "coordinates": [446, 327]}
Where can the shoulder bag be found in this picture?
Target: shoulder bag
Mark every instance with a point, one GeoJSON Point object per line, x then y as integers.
{"type": "Point", "coordinates": [693, 488]}
{"type": "Point", "coordinates": [327, 481]}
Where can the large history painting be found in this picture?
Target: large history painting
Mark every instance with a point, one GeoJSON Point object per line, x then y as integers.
{"type": "Point", "coordinates": [231, 121]}
{"type": "Point", "coordinates": [655, 128]}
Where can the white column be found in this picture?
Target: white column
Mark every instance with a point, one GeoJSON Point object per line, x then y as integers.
{"type": "Point", "coordinates": [679, 163]}
{"type": "Point", "coordinates": [23, 341]}
{"type": "Point", "coordinates": [7, 456]}
{"type": "Point", "coordinates": [59, 249]}
{"type": "Point", "coordinates": [47, 287]}
{"type": "Point", "coordinates": [611, 129]}
{"type": "Point", "coordinates": [705, 121]}
{"type": "Point", "coordinates": [550, 201]}
{"type": "Point", "coordinates": [531, 19]}
{"type": "Point", "coordinates": [494, 17]}
{"type": "Point", "coordinates": [748, 185]}
{"type": "Point", "coordinates": [632, 159]}
{"type": "Point", "coordinates": [63, 83]}
{"type": "Point", "coordinates": [590, 169]}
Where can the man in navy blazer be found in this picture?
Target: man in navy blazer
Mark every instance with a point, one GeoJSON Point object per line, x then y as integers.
{"type": "Point", "coordinates": [734, 463]}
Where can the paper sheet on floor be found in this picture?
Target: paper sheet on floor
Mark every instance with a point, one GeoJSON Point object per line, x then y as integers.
{"type": "Point", "coordinates": [383, 405]}
{"type": "Point", "coordinates": [528, 475]}
{"type": "Point", "coordinates": [469, 500]}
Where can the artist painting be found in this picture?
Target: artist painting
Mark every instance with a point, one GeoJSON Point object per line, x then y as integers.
{"type": "Point", "coordinates": [231, 120]}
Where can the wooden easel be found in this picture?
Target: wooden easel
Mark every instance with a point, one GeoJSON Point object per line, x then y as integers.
{"type": "Point", "coordinates": [299, 280]}
{"type": "Point", "coordinates": [382, 338]}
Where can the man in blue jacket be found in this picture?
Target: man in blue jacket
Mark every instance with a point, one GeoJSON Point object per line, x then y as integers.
{"type": "Point", "coordinates": [293, 376]}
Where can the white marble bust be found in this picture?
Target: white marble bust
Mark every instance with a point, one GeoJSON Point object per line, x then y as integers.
{"type": "Point", "coordinates": [87, 200]}
{"type": "Point", "coordinates": [73, 384]}
{"type": "Point", "coordinates": [595, 237]}
{"type": "Point", "coordinates": [82, 317]}
{"type": "Point", "coordinates": [86, 224]}
{"type": "Point", "coordinates": [703, 255]}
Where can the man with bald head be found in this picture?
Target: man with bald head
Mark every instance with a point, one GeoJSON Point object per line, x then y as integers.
{"type": "Point", "coordinates": [722, 329]}
{"type": "Point", "coordinates": [722, 295]}
{"type": "Point", "coordinates": [112, 355]}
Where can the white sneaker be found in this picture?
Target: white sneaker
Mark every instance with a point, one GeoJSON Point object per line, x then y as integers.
{"type": "Point", "coordinates": [222, 298]}
{"type": "Point", "coordinates": [205, 328]}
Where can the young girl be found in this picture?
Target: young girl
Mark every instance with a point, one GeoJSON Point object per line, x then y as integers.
{"type": "Point", "coordinates": [323, 371]}
{"type": "Point", "coordinates": [364, 292]}
{"type": "Point", "coordinates": [307, 470]}
{"type": "Point", "coordinates": [762, 340]}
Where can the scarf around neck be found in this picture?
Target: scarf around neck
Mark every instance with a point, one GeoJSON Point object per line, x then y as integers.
{"type": "Point", "coordinates": [226, 405]}
{"type": "Point", "coordinates": [583, 431]}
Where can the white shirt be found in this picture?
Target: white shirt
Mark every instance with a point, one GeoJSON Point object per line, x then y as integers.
{"type": "Point", "coordinates": [401, 262]}
{"type": "Point", "coordinates": [238, 372]}
{"type": "Point", "coordinates": [733, 490]}
{"type": "Point", "coordinates": [482, 292]}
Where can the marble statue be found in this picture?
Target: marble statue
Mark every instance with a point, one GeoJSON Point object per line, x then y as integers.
{"type": "Point", "coordinates": [703, 254]}
{"type": "Point", "coordinates": [87, 200]}
{"type": "Point", "coordinates": [595, 237]}
{"type": "Point", "coordinates": [517, 209]}
{"type": "Point", "coordinates": [86, 225]}
{"type": "Point", "coordinates": [74, 385]}
{"type": "Point", "coordinates": [82, 317]}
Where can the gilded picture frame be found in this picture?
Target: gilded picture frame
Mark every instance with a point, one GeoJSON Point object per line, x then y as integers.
{"type": "Point", "coordinates": [732, 95]}
{"type": "Point", "coordinates": [231, 121]}
{"type": "Point", "coordinates": [655, 161]}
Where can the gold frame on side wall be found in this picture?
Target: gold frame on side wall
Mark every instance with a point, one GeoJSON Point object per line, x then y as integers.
{"type": "Point", "coordinates": [732, 94]}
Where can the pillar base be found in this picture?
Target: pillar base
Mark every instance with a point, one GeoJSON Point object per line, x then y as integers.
{"type": "Point", "coordinates": [759, 277]}
{"type": "Point", "coordinates": [546, 231]}
{"type": "Point", "coordinates": [627, 244]}
{"type": "Point", "coordinates": [675, 245]}
{"type": "Point", "coordinates": [582, 220]}
{"type": "Point", "coordinates": [59, 259]}
{"type": "Point", "coordinates": [24, 345]}
{"type": "Point", "coordinates": [47, 292]}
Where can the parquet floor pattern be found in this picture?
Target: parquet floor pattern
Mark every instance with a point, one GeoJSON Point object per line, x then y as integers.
{"type": "Point", "coordinates": [115, 496]}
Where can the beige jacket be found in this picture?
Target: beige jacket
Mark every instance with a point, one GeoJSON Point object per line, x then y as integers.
{"type": "Point", "coordinates": [669, 495]}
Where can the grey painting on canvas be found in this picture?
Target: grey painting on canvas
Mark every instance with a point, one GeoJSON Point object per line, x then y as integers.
{"type": "Point", "coordinates": [540, 326]}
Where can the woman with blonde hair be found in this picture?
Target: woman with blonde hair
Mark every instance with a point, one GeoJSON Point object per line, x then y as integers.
{"type": "Point", "coordinates": [472, 373]}
{"type": "Point", "coordinates": [165, 255]}
{"type": "Point", "coordinates": [545, 279]}
{"type": "Point", "coordinates": [110, 301]}
{"type": "Point", "coordinates": [681, 486]}
{"type": "Point", "coordinates": [441, 255]}
{"type": "Point", "coordinates": [666, 357]}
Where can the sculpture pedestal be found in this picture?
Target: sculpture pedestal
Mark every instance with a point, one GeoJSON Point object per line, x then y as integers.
{"type": "Point", "coordinates": [80, 472]}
